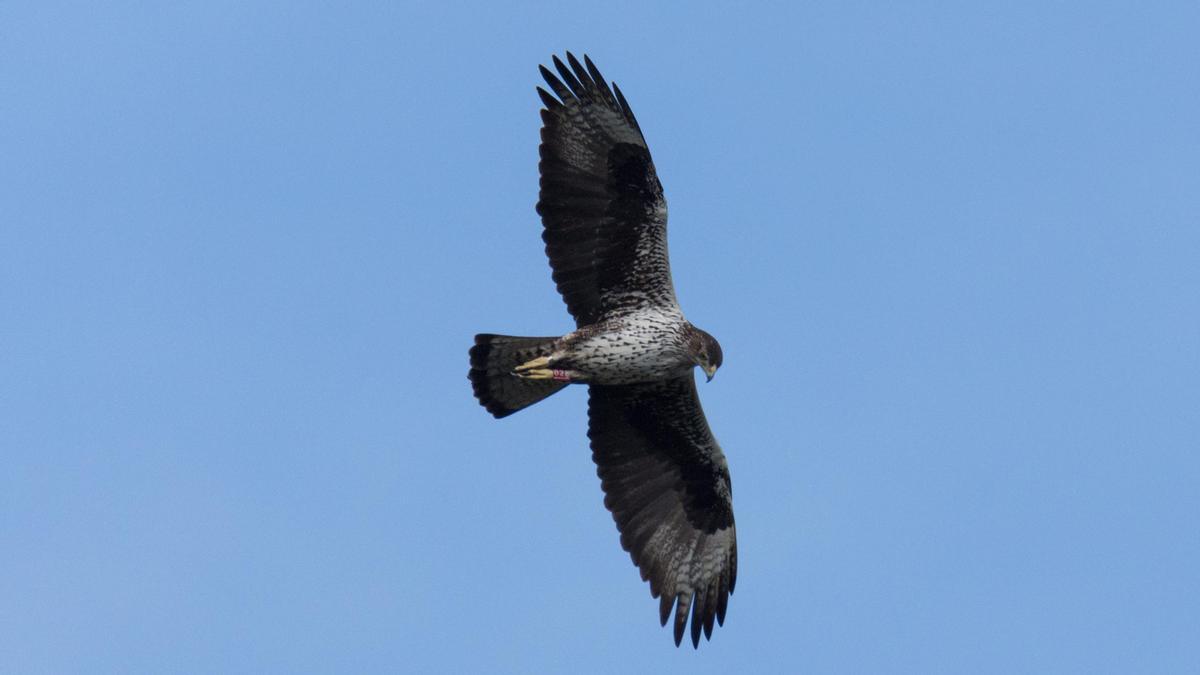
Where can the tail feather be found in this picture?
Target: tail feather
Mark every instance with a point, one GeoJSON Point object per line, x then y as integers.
{"type": "Point", "coordinates": [493, 359]}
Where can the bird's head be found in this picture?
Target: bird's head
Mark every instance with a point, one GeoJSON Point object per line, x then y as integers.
{"type": "Point", "coordinates": [707, 352]}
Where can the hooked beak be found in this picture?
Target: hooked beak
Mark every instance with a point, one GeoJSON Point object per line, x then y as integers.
{"type": "Point", "coordinates": [710, 371]}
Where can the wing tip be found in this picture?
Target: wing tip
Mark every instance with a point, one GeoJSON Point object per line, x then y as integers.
{"type": "Point", "coordinates": [682, 606]}
{"type": "Point", "coordinates": [583, 82]}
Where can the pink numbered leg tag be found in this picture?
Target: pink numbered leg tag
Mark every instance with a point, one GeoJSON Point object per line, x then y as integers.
{"type": "Point", "coordinates": [560, 375]}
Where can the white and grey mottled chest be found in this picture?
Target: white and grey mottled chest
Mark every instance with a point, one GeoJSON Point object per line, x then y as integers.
{"type": "Point", "coordinates": [640, 347]}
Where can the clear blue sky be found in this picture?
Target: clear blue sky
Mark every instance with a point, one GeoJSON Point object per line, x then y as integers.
{"type": "Point", "coordinates": [952, 254]}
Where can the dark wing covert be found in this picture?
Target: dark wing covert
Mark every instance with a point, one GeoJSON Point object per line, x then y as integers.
{"type": "Point", "coordinates": [667, 484]}
{"type": "Point", "coordinates": [601, 202]}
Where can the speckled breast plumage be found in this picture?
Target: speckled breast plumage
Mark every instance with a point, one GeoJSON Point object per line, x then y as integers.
{"type": "Point", "coordinates": [643, 346]}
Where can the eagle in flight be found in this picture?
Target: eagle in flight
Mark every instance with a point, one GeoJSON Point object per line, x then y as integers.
{"type": "Point", "coordinates": [605, 228]}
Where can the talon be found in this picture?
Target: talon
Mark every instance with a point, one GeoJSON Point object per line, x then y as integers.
{"type": "Point", "coordinates": [535, 374]}
{"type": "Point", "coordinates": [539, 362]}
{"type": "Point", "coordinates": [556, 374]}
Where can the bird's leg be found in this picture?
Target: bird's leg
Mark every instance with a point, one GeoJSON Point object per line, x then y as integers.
{"type": "Point", "coordinates": [545, 374]}
{"type": "Point", "coordinates": [556, 374]}
{"type": "Point", "coordinates": [539, 362]}
{"type": "Point", "coordinates": [538, 369]}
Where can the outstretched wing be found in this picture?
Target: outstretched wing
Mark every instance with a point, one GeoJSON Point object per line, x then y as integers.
{"type": "Point", "coordinates": [667, 484]}
{"type": "Point", "coordinates": [601, 203]}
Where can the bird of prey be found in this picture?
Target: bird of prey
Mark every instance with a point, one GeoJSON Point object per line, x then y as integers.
{"type": "Point", "coordinates": [664, 476]}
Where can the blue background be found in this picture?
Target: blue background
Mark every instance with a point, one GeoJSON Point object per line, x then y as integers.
{"type": "Point", "coordinates": [951, 254]}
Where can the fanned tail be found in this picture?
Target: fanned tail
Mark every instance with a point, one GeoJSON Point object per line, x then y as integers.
{"type": "Point", "coordinates": [493, 359]}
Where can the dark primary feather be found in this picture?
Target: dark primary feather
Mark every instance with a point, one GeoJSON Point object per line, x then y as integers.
{"type": "Point", "coordinates": [667, 484]}
{"type": "Point", "coordinates": [601, 202]}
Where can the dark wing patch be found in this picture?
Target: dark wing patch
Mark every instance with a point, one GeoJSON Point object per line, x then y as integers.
{"type": "Point", "coordinates": [667, 484]}
{"type": "Point", "coordinates": [601, 202]}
